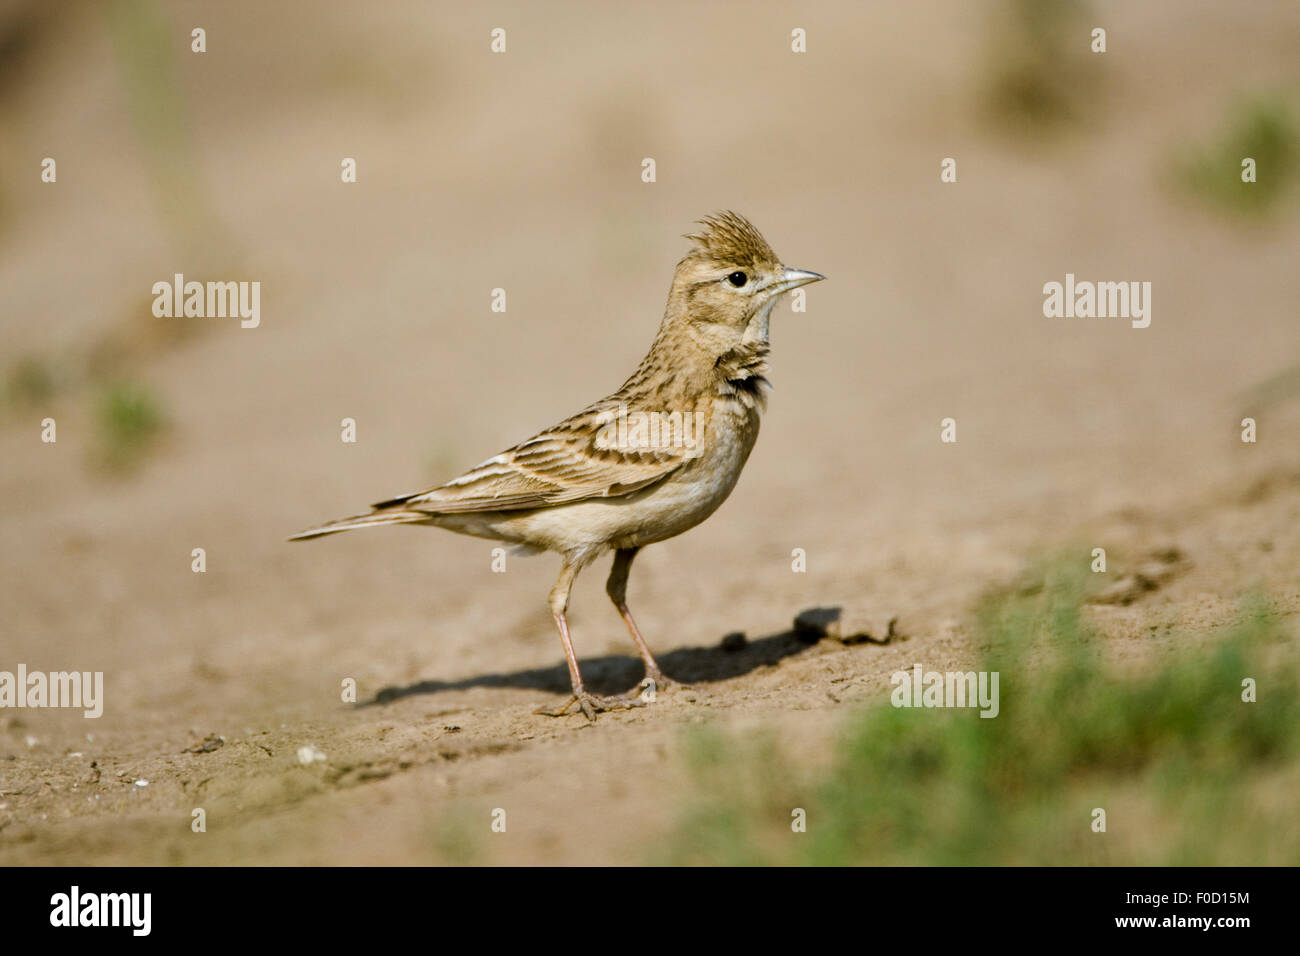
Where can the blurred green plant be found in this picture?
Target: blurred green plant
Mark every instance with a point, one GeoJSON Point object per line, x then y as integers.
{"type": "Point", "coordinates": [130, 421]}
{"type": "Point", "coordinates": [110, 356]}
{"type": "Point", "coordinates": [30, 382]}
{"type": "Point", "coordinates": [457, 837]}
{"type": "Point", "coordinates": [1261, 129]}
{"type": "Point", "coordinates": [1039, 74]}
{"type": "Point", "coordinates": [1186, 771]}
{"type": "Point", "coordinates": [146, 41]}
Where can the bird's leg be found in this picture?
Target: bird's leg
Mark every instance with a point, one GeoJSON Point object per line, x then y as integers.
{"type": "Point", "coordinates": [616, 588]}
{"type": "Point", "coordinates": [589, 704]}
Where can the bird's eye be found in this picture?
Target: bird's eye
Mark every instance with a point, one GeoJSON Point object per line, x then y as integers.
{"type": "Point", "coordinates": [737, 279]}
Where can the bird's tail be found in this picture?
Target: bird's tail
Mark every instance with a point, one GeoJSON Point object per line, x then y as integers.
{"type": "Point", "coordinates": [392, 516]}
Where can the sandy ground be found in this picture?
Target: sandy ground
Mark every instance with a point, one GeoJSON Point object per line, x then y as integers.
{"type": "Point", "coordinates": [522, 171]}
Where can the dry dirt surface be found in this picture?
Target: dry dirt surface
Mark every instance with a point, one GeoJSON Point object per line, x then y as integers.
{"type": "Point", "coordinates": [522, 171]}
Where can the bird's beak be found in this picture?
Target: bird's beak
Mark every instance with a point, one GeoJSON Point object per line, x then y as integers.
{"type": "Point", "coordinates": [793, 278]}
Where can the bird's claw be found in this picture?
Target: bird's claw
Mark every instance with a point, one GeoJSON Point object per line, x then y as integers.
{"type": "Point", "coordinates": [591, 705]}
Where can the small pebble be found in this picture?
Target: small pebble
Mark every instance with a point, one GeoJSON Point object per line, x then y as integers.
{"type": "Point", "coordinates": [310, 755]}
{"type": "Point", "coordinates": [846, 626]}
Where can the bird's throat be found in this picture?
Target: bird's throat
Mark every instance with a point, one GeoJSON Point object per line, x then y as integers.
{"type": "Point", "coordinates": [758, 330]}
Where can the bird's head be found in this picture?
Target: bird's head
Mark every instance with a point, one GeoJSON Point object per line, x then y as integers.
{"type": "Point", "coordinates": [724, 288]}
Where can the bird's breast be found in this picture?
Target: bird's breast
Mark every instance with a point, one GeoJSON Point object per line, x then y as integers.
{"type": "Point", "coordinates": [680, 501]}
{"type": "Point", "coordinates": [699, 487]}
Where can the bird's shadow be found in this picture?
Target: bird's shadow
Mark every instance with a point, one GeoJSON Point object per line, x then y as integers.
{"type": "Point", "coordinates": [618, 673]}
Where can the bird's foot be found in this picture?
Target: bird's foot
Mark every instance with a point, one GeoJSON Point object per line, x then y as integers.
{"type": "Point", "coordinates": [591, 705]}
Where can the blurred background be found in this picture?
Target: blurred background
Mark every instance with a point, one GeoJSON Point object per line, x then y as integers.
{"type": "Point", "coordinates": [522, 170]}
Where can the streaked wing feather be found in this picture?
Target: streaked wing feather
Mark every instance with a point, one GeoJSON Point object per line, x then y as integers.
{"type": "Point", "coordinates": [560, 465]}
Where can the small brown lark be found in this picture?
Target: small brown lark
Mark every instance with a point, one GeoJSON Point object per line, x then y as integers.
{"type": "Point", "coordinates": [650, 461]}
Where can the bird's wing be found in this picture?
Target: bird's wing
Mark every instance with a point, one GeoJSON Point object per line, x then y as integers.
{"type": "Point", "coordinates": [583, 457]}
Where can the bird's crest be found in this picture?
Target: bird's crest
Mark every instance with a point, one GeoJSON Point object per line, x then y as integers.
{"type": "Point", "coordinates": [730, 237]}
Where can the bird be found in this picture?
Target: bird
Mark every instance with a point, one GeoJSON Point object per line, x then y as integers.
{"type": "Point", "coordinates": [644, 464]}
